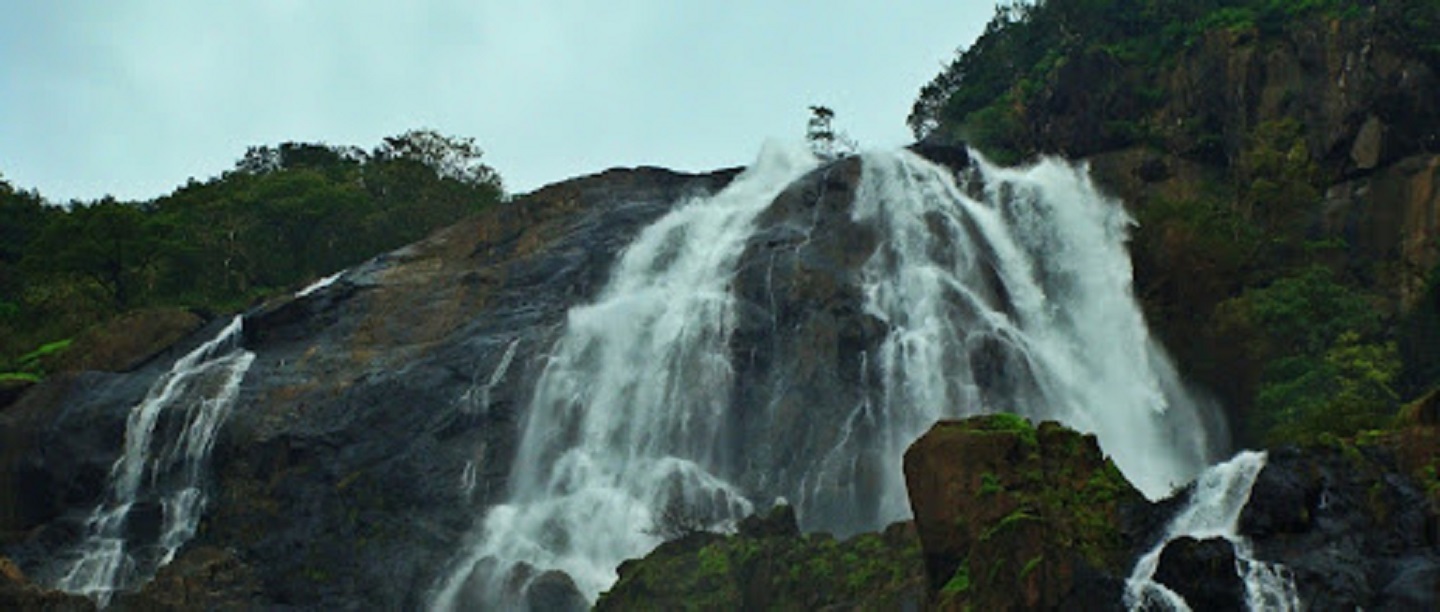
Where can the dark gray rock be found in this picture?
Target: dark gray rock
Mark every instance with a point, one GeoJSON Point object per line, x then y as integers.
{"type": "Point", "coordinates": [1203, 572]}
{"type": "Point", "coordinates": [373, 428]}
{"type": "Point", "coordinates": [1352, 529]}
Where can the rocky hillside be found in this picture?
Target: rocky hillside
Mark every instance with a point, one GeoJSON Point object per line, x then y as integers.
{"type": "Point", "coordinates": [339, 482]}
{"type": "Point", "coordinates": [1281, 160]}
{"type": "Point", "coordinates": [1011, 516]}
{"type": "Point", "coordinates": [1269, 151]}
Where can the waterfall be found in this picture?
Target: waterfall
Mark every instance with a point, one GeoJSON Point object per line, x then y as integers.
{"type": "Point", "coordinates": [1012, 293]}
{"type": "Point", "coordinates": [1002, 290]}
{"type": "Point", "coordinates": [319, 284]}
{"type": "Point", "coordinates": [186, 405]}
{"type": "Point", "coordinates": [625, 412]}
{"type": "Point", "coordinates": [1213, 511]}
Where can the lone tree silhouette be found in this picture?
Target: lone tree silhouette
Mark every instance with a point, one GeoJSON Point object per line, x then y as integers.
{"type": "Point", "coordinates": [825, 142]}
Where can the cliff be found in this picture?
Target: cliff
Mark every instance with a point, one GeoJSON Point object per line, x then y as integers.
{"type": "Point", "coordinates": [1255, 143]}
{"type": "Point", "coordinates": [339, 481]}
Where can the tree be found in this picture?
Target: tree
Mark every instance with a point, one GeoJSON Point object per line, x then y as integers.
{"type": "Point", "coordinates": [824, 140]}
{"type": "Point", "coordinates": [454, 158]}
{"type": "Point", "coordinates": [112, 244]}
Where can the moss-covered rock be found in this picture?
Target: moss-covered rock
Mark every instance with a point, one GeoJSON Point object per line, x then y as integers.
{"type": "Point", "coordinates": [769, 566]}
{"type": "Point", "coordinates": [1015, 516]}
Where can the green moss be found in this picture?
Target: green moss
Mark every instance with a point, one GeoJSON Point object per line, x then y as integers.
{"type": "Point", "coordinates": [45, 350]}
{"type": "Point", "coordinates": [1014, 518]}
{"type": "Point", "coordinates": [1031, 565]}
{"type": "Point", "coordinates": [990, 484]}
{"type": "Point", "coordinates": [19, 376]}
{"type": "Point", "coordinates": [1430, 478]}
{"type": "Point", "coordinates": [1013, 423]}
{"type": "Point", "coordinates": [959, 582]}
{"type": "Point", "coordinates": [820, 567]}
{"type": "Point", "coordinates": [713, 561]}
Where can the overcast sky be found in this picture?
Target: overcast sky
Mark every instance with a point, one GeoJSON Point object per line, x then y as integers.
{"type": "Point", "coordinates": [132, 97]}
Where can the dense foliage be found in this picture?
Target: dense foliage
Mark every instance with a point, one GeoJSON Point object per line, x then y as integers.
{"type": "Point", "coordinates": [284, 215]}
{"type": "Point", "coordinates": [1307, 338]}
{"type": "Point", "coordinates": [979, 93]}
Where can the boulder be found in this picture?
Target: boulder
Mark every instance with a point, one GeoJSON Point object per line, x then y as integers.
{"type": "Point", "coordinates": [1203, 572]}
{"type": "Point", "coordinates": [770, 566]}
{"type": "Point", "coordinates": [1011, 516]}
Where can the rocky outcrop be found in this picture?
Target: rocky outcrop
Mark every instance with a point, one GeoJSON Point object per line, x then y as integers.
{"type": "Point", "coordinates": [1390, 215]}
{"type": "Point", "coordinates": [1354, 530]}
{"type": "Point", "coordinates": [375, 425]}
{"type": "Point", "coordinates": [1365, 98]}
{"type": "Point", "coordinates": [202, 578]}
{"type": "Point", "coordinates": [768, 565]}
{"type": "Point", "coordinates": [1015, 517]}
{"type": "Point", "coordinates": [1202, 572]}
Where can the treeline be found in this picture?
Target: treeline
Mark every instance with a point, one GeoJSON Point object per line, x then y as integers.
{"type": "Point", "coordinates": [1307, 339]}
{"type": "Point", "coordinates": [282, 216]}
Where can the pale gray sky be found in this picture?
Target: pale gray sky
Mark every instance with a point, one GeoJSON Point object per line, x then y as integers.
{"type": "Point", "coordinates": [132, 97]}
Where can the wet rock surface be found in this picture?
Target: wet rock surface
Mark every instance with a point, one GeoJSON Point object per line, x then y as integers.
{"type": "Point", "coordinates": [769, 565]}
{"type": "Point", "coordinates": [375, 425]}
{"type": "Point", "coordinates": [1355, 531]}
{"type": "Point", "coordinates": [1015, 517]}
{"type": "Point", "coordinates": [1203, 572]}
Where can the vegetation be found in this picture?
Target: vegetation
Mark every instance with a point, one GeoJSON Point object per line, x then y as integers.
{"type": "Point", "coordinates": [707, 571]}
{"type": "Point", "coordinates": [980, 92]}
{"type": "Point", "coordinates": [825, 142]}
{"type": "Point", "coordinates": [282, 216]}
{"type": "Point", "coordinates": [1308, 338]}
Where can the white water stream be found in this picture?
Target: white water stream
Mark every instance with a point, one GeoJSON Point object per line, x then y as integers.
{"type": "Point", "coordinates": [1214, 512]}
{"type": "Point", "coordinates": [1013, 294]}
{"type": "Point", "coordinates": [186, 405]}
{"type": "Point", "coordinates": [633, 395]}
{"type": "Point", "coordinates": [1007, 292]}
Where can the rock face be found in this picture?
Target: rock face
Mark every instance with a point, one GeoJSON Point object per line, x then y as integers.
{"type": "Point", "coordinates": [768, 565]}
{"type": "Point", "coordinates": [1353, 529]}
{"type": "Point", "coordinates": [1365, 97]}
{"type": "Point", "coordinates": [1014, 517]}
{"type": "Point", "coordinates": [1392, 214]}
{"type": "Point", "coordinates": [375, 425]}
{"type": "Point", "coordinates": [801, 273]}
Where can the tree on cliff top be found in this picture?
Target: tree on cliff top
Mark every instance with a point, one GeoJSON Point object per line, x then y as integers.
{"type": "Point", "coordinates": [825, 142]}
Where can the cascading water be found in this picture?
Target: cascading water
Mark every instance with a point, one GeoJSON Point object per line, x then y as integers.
{"type": "Point", "coordinates": [186, 405]}
{"type": "Point", "coordinates": [1010, 292]}
{"type": "Point", "coordinates": [1214, 512]}
{"type": "Point", "coordinates": [1013, 294]}
{"type": "Point", "coordinates": [625, 413]}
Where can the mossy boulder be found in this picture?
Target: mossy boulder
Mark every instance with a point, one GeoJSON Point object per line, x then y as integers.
{"type": "Point", "coordinates": [769, 566]}
{"type": "Point", "coordinates": [1016, 516]}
